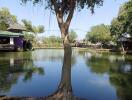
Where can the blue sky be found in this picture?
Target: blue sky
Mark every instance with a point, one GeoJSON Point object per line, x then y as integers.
{"type": "Point", "coordinates": [81, 22]}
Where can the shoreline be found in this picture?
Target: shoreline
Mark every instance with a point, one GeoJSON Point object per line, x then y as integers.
{"type": "Point", "coordinates": [81, 48]}
{"type": "Point", "coordinates": [20, 98]}
{"type": "Point", "coordinates": [47, 47]}
{"type": "Point", "coordinates": [89, 49]}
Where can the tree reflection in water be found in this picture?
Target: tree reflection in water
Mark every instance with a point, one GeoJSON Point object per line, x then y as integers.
{"type": "Point", "coordinates": [121, 79]}
{"type": "Point", "coordinates": [64, 91]}
{"type": "Point", "coordinates": [14, 65]}
{"type": "Point", "coordinates": [119, 69]}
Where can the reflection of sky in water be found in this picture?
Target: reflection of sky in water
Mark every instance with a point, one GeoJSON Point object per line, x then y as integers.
{"type": "Point", "coordinates": [39, 85]}
{"type": "Point", "coordinates": [86, 83]}
{"type": "Point", "coordinates": [90, 85]}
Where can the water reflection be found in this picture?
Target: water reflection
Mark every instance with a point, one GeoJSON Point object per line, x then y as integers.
{"type": "Point", "coordinates": [93, 76]}
{"type": "Point", "coordinates": [48, 55]}
{"type": "Point", "coordinates": [123, 84]}
{"type": "Point", "coordinates": [12, 66]}
{"type": "Point", "coordinates": [119, 69]}
{"type": "Point", "coordinates": [64, 91]}
{"type": "Point", "coordinates": [102, 63]}
{"type": "Point", "coordinates": [121, 79]}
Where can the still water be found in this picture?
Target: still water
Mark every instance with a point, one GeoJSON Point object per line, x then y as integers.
{"type": "Point", "coordinates": [91, 75]}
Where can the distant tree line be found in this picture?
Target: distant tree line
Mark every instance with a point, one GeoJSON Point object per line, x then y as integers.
{"type": "Point", "coordinates": [56, 41]}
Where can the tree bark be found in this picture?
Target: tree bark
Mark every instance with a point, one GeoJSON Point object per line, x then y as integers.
{"type": "Point", "coordinates": [64, 25]}
{"type": "Point", "coordinates": [65, 38]}
{"type": "Point", "coordinates": [66, 70]}
{"type": "Point", "coordinates": [65, 87]}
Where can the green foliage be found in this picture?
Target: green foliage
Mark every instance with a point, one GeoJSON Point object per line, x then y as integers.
{"type": "Point", "coordinates": [72, 36]}
{"type": "Point", "coordinates": [32, 31]}
{"type": "Point", "coordinates": [125, 16]}
{"type": "Point", "coordinates": [3, 26]}
{"type": "Point", "coordinates": [52, 41]}
{"type": "Point", "coordinates": [6, 18]}
{"type": "Point", "coordinates": [123, 23]}
{"type": "Point", "coordinates": [99, 33]}
{"type": "Point", "coordinates": [28, 25]}
{"type": "Point", "coordinates": [31, 28]}
{"type": "Point", "coordinates": [29, 36]}
{"type": "Point", "coordinates": [66, 5]}
{"type": "Point", "coordinates": [40, 29]}
{"type": "Point", "coordinates": [116, 28]}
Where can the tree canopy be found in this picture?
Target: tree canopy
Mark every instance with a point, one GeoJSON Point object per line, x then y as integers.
{"type": "Point", "coordinates": [125, 16]}
{"type": "Point", "coordinates": [123, 22]}
{"type": "Point", "coordinates": [32, 28]}
{"type": "Point", "coordinates": [64, 6]}
{"type": "Point", "coordinates": [99, 33]}
{"type": "Point", "coordinates": [6, 18]}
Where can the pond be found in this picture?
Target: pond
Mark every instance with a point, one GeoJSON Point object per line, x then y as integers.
{"type": "Point", "coordinates": [86, 75]}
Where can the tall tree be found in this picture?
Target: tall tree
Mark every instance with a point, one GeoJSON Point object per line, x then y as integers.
{"type": "Point", "coordinates": [64, 10]}
{"type": "Point", "coordinates": [99, 33]}
{"type": "Point", "coordinates": [6, 18]}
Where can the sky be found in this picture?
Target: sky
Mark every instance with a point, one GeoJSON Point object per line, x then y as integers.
{"type": "Point", "coordinates": [81, 22]}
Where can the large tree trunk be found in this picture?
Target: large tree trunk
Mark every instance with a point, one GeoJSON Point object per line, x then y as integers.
{"type": "Point", "coordinates": [65, 38]}
{"type": "Point", "coordinates": [64, 24]}
{"type": "Point", "coordinates": [65, 88]}
{"type": "Point", "coordinates": [65, 83]}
